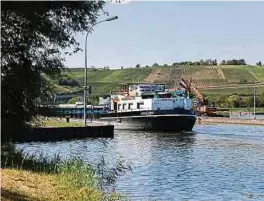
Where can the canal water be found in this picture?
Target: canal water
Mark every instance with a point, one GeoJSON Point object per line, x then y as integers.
{"type": "Point", "coordinates": [214, 162]}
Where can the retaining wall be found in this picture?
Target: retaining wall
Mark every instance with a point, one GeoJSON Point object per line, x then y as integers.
{"type": "Point", "coordinates": [65, 133]}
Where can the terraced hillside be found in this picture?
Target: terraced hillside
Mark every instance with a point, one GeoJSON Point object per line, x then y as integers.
{"type": "Point", "coordinates": [203, 76]}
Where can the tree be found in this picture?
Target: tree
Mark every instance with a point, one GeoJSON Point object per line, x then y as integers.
{"type": "Point", "coordinates": [241, 62]}
{"type": "Point", "coordinates": [68, 81]}
{"type": "Point", "coordinates": [155, 65]}
{"type": "Point", "coordinates": [190, 63]}
{"type": "Point", "coordinates": [234, 62]}
{"type": "Point", "coordinates": [138, 66]}
{"type": "Point", "coordinates": [215, 62]}
{"type": "Point", "coordinates": [223, 62]}
{"type": "Point", "coordinates": [202, 62]}
{"type": "Point", "coordinates": [259, 63]}
{"type": "Point", "coordinates": [261, 100]}
{"type": "Point", "coordinates": [197, 63]}
{"type": "Point", "coordinates": [75, 99]}
{"type": "Point", "coordinates": [33, 36]}
{"type": "Point", "coordinates": [208, 62]}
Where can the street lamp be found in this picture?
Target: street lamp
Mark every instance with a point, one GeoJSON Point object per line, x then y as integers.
{"type": "Point", "coordinates": [254, 93]}
{"type": "Point", "coordinates": [85, 69]}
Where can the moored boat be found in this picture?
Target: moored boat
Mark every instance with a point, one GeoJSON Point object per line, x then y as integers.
{"type": "Point", "coordinates": [150, 107]}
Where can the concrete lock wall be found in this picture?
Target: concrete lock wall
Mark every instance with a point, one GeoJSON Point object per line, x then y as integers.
{"type": "Point", "coordinates": [65, 133]}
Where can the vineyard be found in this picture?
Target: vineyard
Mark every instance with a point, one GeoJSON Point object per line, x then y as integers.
{"type": "Point", "coordinates": [203, 76]}
{"type": "Point", "coordinates": [257, 71]}
{"type": "Point", "coordinates": [118, 75]}
{"type": "Point", "coordinates": [238, 75]}
{"type": "Point", "coordinates": [241, 90]}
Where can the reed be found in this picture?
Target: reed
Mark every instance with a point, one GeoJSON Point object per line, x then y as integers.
{"type": "Point", "coordinates": [76, 179]}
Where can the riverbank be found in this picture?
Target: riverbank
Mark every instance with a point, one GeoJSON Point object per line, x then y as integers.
{"type": "Point", "coordinates": [27, 185]}
{"type": "Point", "coordinates": [226, 120]}
{"type": "Point", "coordinates": [28, 177]}
{"type": "Point", "coordinates": [30, 186]}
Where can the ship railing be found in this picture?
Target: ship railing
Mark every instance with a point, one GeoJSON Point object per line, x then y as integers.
{"type": "Point", "coordinates": [130, 110]}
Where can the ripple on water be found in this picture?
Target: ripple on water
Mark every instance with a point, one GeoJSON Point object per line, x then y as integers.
{"type": "Point", "coordinates": [215, 162]}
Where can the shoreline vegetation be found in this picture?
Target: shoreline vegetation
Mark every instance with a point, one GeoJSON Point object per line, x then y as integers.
{"type": "Point", "coordinates": [46, 122]}
{"type": "Point", "coordinates": [32, 177]}
{"type": "Point", "coordinates": [55, 122]}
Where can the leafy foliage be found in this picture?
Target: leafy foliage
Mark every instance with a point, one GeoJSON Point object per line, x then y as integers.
{"type": "Point", "coordinates": [236, 100]}
{"type": "Point", "coordinates": [259, 63]}
{"type": "Point", "coordinates": [68, 81]}
{"type": "Point", "coordinates": [234, 62]}
{"type": "Point", "coordinates": [208, 62]}
{"type": "Point", "coordinates": [33, 36]}
{"type": "Point", "coordinates": [75, 99]}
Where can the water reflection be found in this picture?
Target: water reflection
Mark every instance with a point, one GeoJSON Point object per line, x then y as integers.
{"type": "Point", "coordinates": [215, 162]}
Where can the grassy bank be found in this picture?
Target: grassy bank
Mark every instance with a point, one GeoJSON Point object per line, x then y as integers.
{"type": "Point", "coordinates": [27, 177]}
{"type": "Point", "coordinates": [27, 185]}
{"type": "Point", "coordinates": [54, 122]}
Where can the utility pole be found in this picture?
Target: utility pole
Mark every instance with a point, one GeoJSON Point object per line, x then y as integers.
{"type": "Point", "coordinates": [85, 69]}
{"type": "Point", "coordinates": [254, 93]}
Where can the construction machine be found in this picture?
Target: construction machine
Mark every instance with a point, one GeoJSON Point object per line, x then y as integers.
{"type": "Point", "coordinates": [202, 107]}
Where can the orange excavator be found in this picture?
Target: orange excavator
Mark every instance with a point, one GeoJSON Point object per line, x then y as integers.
{"type": "Point", "coordinates": [202, 107]}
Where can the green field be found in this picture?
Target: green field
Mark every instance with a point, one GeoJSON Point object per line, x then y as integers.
{"type": "Point", "coordinates": [257, 71]}
{"type": "Point", "coordinates": [247, 90]}
{"type": "Point", "coordinates": [102, 81]}
{"type": "Point", "coordinates": [123, 75]}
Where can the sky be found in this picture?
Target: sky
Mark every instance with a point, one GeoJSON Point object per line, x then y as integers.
{"type": "Point", "coordinates": [166, 32]}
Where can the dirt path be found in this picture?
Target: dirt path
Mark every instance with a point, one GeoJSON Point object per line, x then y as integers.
{"type": "Point", "coordinates": [153, 75]}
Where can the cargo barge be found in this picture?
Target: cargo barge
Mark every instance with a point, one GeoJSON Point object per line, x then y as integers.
{"type": "Point", "coordinates": [150, 107]}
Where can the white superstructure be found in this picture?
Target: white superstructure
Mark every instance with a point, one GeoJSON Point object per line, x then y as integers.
{"type": "Point", "coordinates": [148, 97]}
{"type": "Point", "coordinates": [124, 104]}
{"type": "Point", "coordinates": [151, 107]}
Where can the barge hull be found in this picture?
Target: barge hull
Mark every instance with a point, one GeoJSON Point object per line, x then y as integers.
{"type": "Point", "coordinates": [156, 122]}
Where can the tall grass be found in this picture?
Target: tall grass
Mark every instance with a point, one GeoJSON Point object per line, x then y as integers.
{"type": "Point", "coordinates": [73, 174]}
{"type": "Point", "coordinates": [13, 158]}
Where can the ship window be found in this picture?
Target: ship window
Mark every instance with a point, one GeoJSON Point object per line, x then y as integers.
{"type": "Point", "coordinates": [139, 105]}
{"type": "Point", "coordinates": [124, 106]}
{"type": "Point", "coordinates": [119, 106]}
{"type": "Point", "coordinates": [130, 105]}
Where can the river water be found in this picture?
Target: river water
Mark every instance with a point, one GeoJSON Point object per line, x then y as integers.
{"type": "Point", "coordinates": [214, 162]}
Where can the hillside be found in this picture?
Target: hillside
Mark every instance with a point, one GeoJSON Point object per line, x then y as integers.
{"type": "Point", "coordinates": [213, 78]}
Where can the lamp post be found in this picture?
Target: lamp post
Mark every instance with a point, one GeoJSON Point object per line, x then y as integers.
{"type": "Point", "coordinates": [85, 69]}
{"type": "Point", "coordinates": [254, 113]}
